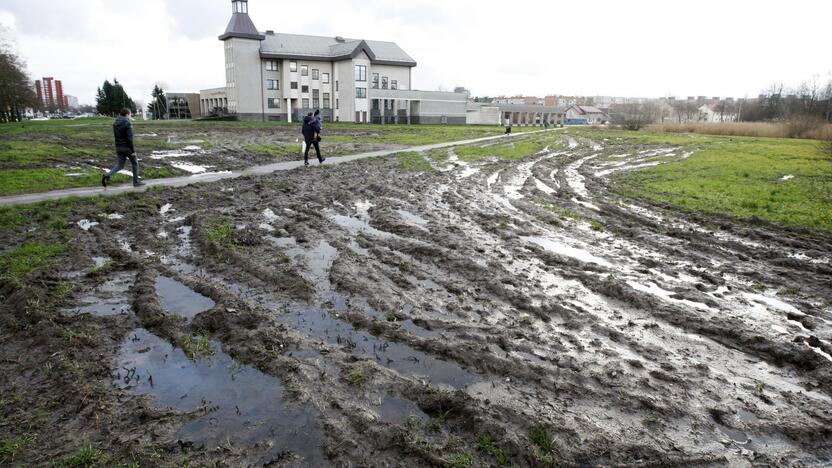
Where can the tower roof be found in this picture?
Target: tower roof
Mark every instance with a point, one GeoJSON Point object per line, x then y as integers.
{"type": "Point", "coordinates": [242, 27]}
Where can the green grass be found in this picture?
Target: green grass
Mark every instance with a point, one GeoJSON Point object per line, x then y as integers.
{"type": "Point", "coordinates": [741, 177]}
{"type": "Point", "coordinates": [19, 181]}
{"type": "Point", "coordinates": [273, 150]}
{"type": "Point", "coordinates": [197, 346]}
{"type": "Point", "coordinates": [413, 161]}
{"type": "Point", "coordinates": [488, 447]}
{"type": "Point", "coordinates": [11, 446]}
{"type": "Point", "coordinates": [86, 456]}
{"type": "Point", "coordinates": [517, 148]}
{"type": "Point", "coordinates": [18, 263]}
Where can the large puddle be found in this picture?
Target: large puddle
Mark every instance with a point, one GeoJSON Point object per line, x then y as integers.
{"type": "Point", "coordinates": [566, 250]}
{"type": "Point", "coordinates": [181, 300]}
{"type": "Point", "coordinates": [233, 404]}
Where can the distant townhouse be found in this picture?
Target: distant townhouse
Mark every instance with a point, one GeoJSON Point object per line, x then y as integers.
{"type": "Point", "coordinates": [281, 77]}
{"type": "Point", "coordinates": [582, 115]}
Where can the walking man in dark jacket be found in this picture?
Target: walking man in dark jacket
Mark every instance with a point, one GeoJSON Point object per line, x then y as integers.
{"type": "Point", "coordinates": [123, 132]}
{"type": "Point", "coordinates": [311, 136]}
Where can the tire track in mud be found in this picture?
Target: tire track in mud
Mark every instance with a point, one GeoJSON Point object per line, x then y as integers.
{"type": "Point", "coordinates": [407, 315]}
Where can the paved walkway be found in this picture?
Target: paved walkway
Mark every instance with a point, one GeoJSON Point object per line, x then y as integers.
{"type": "Point", "coordinates": [215, 176]}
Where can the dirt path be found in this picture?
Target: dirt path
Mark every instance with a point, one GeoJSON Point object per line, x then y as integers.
{"type": "Point", "coordinates": [205, 177]}
{"type": "Point", "coordinates": [487, 313]}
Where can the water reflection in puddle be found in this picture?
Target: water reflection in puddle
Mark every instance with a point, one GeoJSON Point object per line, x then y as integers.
{"type": "Point", "coordinates": [235, 404]}
{"type": "Point", "coordinates": [181, 300]}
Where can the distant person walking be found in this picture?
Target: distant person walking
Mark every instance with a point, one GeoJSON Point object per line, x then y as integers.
{"type": "Point", "coordinates": [123, 133]}
{"type": "Point", "coordinates": [546, 124]}
{"type": "Point", "coordinates": [508, 127]}
{"type": "Point", "coordinates": [311, 136]}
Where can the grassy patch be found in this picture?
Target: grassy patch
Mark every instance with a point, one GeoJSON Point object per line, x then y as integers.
{"type": "Point", "coordinates": [197, 346]}
{"type": "Point", "coordinates": [413, 161]}
{"type": "Point", "coordinates": [743, 177]}
{"type": "Point", "coordinates": [86, 456]}
{"type": "Point", "coordinates": [273, 150]}
{"type": "Point", "coordinates": [488, 447]}
{"type": "Point", "coordinates": [18, 181]}
{"type": "Point", "coordinates": [28, 258]}
{"type": "Point", "coordinates": [11, 446]}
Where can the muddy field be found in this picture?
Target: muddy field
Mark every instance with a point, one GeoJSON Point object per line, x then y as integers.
{"type": "Point", "coordinates": [386, 313]}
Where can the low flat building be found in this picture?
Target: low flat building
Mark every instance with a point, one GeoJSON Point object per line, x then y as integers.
{"type": "Point", "coordinates": [183, 106]}
{"type": "Point", "coordinates": [514, 114]}
{"type": "Point", "coordinates": [281, 77]}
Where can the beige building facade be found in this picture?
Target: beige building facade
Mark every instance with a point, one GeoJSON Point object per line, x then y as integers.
{"type": "Point", "coordinates": [281, 77]}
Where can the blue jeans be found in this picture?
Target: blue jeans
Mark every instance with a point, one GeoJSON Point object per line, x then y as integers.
{"type": "Point", "coordinates": [123, 155]}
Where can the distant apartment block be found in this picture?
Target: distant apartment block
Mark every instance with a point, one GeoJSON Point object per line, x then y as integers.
{"type": "Point", "coordinates": [50, 93]}
{"type": "Point", "coordinates": [519, 100]}
{"type": "Point", "coordinates": [281, 77]}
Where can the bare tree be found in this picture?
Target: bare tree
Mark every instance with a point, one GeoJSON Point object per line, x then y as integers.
{"type": "Point", "coordinates": [16, 91]}
{"type": "Point", "coordinates": [634, 116]}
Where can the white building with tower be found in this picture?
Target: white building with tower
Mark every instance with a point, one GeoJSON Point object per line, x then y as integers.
{"type": "Point", "coordinates": [281, 77]}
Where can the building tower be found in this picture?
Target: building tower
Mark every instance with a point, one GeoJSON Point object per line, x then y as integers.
{"type": "Point", "coordinates": [242, 55]}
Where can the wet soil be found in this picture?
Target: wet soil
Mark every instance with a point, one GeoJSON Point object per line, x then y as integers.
{"type": "Point", "coordinates": [487, 313]}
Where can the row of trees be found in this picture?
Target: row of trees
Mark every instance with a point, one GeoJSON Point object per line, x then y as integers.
{"type": "Point", "coordinates": [111, 98]}
{"type": "Point", "coordinates": [781, 103]}
{"type": "Point", "coordinates": [16, 90]}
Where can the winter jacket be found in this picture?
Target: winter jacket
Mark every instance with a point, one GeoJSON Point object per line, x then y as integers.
{"type": "Point", "coordinates": [123, 132]}
{"type": "Point", "coordinates": [310, 127]}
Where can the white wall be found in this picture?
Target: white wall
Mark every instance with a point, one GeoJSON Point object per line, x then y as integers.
{"type": "Point", "coordinates": [400, 74]}
{"type": "Point", "coordinates": [243, 70]}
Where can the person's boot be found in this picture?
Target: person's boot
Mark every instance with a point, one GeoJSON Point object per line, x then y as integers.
{"type": "Point", "coordinates": [305, 162]}
{"type": "Point", "coordinates": [105, 179]}
{"type": "Point", "coordinates": [321, 160]}
{"type": "Point", "coordinates": [139, 184]}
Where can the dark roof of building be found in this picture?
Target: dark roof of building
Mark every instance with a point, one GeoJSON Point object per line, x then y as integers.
{"type": "Point", "coordinates": [297, 46]}
{"type": "Point", "coordinates": [241, 26]}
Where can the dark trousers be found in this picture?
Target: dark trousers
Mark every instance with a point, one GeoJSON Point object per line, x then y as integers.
{"type": "Point", "coordinates": [309, 144]}
{"type": "Point", "coordinates": [123, 156]}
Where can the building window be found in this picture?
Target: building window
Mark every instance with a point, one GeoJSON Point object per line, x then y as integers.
{"type": "Point", "coordinates": [304, 70]}
{"type": "Point", "coordinates": [337, 103]}
{"type": "Point", "coordinates": [305, 103]}
{"type": "Point", "coordinates": [326, 100]}
{"type": "Point", "coordinates": [272, 84]}
{"type": "Point", "coordinates": [361, 93]}
{"type": "Point", "coordinates": [294, 85]}
{"type": "Point", "coordinates": [240, 6]}
{"type": "Point", "coordinates": [316, 98]}
{"type": "Point", "coordinates": [274, 103]}
{"type": "Point", "coordinates": [383, 82]}
{"type": "Point", "coordinates": [361, 73]}
{"type": "Point", "coordinates": [375, 81]}
{"type": "Point", "coordinates": [394, 84]}
{"type": "Point", "coordinates": [336, 85]}
{"type": "Point", "coordinates": [271, 65]}
{"type": "Point", "coordinates": [315, 74]}
{"type": "Point", "coordinates": [304, 89]}
{"type": "Point", "coordinates": [325, 78]}
{"type": "Point", "coordinates": [293, 66]}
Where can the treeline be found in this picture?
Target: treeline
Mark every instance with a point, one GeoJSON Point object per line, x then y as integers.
{"type": "Point", "coordinates": [111, 98]}
{"type": "Point", "coordinates": [781, 103]}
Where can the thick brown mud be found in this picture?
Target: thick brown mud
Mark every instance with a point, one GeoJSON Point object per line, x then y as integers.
{"type": "Point", "coordinates": [485, 314]}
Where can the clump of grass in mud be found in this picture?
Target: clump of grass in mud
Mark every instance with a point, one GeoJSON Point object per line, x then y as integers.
{"type": "Point", "coordinates": [357, 376]}
{"type": "Point", "coordinates": [197, 346]}
{"type": "Point", "coordinates": [86, 456]}
{"type": "Point", "coordinates": [462, 460]}
{"type": "Point", "coordinates": [32, 256]}
{"type": "Point", "coordinates": [11, 446]}
{"type": "Point", "coordinates": [513, 150]}
{"type": "Point", "coordinates": [487, 446]}
{"type": "Point", "coordinates": [413, 161]}
{"type": "Point", "coordinates": [543, 444]}
{"type": "Point", "coordinates": [219, 232]}
{"type": "Point", "coordinates": [275, 150]}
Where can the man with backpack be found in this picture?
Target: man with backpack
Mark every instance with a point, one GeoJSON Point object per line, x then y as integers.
{"type": "Point", "coordinates": [311, 131]}
{"type": "Point", "coordinates": [123, 133]}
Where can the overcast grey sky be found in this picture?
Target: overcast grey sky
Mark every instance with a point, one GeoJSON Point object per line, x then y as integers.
{"type": "Point", "coordinates": [602, 47]}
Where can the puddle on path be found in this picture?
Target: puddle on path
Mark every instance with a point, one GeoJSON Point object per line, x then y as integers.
{"type": "Point", "coordinates": [395, 410]}
{"type": "Point", "coordinates": [236, 404]}
{"type": "Point", "coordinates": [181, 300]}
{"type": "Point", "coordinates": [319, 324]}
{"type": "Point", "coordinates": [109, 298]}
{"type": "Point", "coordinates": [565, 250]}
{"type": "Point", "coordinates": [413, 219]}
